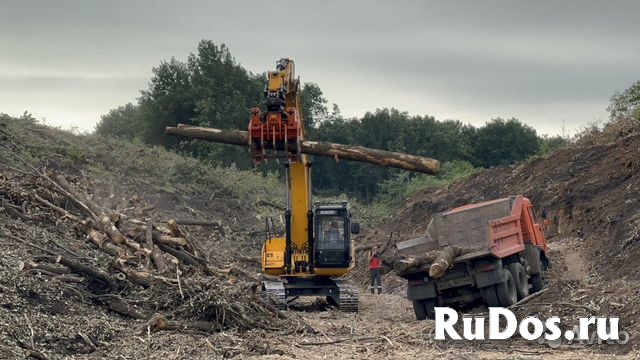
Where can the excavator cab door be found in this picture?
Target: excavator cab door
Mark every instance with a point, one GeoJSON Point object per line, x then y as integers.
{"type": "Point", "coordinates": [332, 236]}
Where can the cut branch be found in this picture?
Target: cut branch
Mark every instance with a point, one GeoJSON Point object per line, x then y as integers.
{"type": "Point", "coordinates": [156, 254]}
{"type": "Point", "coordinates": [72, 194]}
{"type": "Point", "coordinates": [197, 222]}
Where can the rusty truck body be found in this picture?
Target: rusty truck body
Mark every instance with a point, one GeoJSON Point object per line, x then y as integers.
{"type": "Point", "coordinates": [503, 260]}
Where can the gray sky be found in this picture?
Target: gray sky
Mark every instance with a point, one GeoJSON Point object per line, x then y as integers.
{"type": "Point", "coordinates": [540, 61]}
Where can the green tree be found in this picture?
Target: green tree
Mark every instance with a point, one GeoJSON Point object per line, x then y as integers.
{"type": "Point", "coordinates": [122, 122]}
{"type": "Point", "coordinates": [502, 142]}
{"type": "Point", "coordinates": [168, 101]}
{"type": "Point", "coordinates": [314, 106]}
{"type": "Point", "coordinates": [550, 144]}
{"type": "Point", "coordinates": [626, 103]}
{"type": "Point", "coordinates": [210, 89]}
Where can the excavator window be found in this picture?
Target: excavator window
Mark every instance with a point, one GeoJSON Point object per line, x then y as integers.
{"type": "Point", "coordinates": [331, 234]}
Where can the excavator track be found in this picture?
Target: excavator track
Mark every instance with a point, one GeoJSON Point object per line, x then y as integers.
{"type": "Point", "coordinates": [349, 296]}
{"type": "Point", "coordinates": [274, 293]}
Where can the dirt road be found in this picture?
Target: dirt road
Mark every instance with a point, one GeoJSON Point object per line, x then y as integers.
{"type": "Point", "coordinates": [385, 328]}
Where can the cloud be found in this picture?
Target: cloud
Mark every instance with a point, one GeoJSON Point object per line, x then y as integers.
{"type": "Point", "coordinates": [542, 61]}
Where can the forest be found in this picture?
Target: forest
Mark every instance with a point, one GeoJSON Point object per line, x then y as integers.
{"type": "Point", "coordinates": [212, 89]}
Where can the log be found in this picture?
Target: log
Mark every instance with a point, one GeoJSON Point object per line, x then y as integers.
{"type": "Point", "coordinates": [142, 278]}
{"type": "Point", "coordinates": [184, 257]}
{"type": "Point", "coordinates": [173, 241]}
{"type": "Point", "coordinates": [114, 234]}
{"type": "Point", "coordinates": [176, 232]}
{"type": "Point", "coordinates": [250, 259]}
{"type": "Point", "coordinates": [101, 240]}
{"type": "Point", "coordinates": [56, 270]}
{"type": "Point", "coordinates": [318, 148]}
{"type": "Point", "coordinates": [157, 255]}
{"type": "Point", "coordinates": [62, 211]}
{"type": "Point", "coordinates": [72, 194]}
{"type": "Point", "coordinates": [111, 229]}
{"type": "Point", "coordinates": [443, 261]}
{"type": "Point", "coordinates": [75, 267]}
{"type": "Point", "coordinates": [197, 222]}
{"type": "Point", "coordinates": [158, 322]}
{"type": "Point", "coordinates": [83, 270]}
{"type": "Point", "coordinates": [402, 266]}
{"type": "Point", "coordinates": [122, 307]}
{"type": "Point", "coordinates": [368, 246]}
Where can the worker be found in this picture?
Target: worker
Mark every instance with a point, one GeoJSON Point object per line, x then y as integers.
{"type": "Point", "coordinates": [545, 220]}
{"type": "Point", "coordinates": [374, 271]}
{"type": "Point", "coordinates": [333, 235]}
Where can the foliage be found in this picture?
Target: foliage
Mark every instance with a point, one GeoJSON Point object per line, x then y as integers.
{"type": "Point", "coordinates": [502, 142]}
{"type": "Point", "coordinates": [314, 105]}
{"type": "Point", "coordinates": [121, 122]}
{"type": "Point", "coordinates": [551, 144]}
{"type": "Point", "coordinates": [212, 89]}
{"type": "Point", "coordinates": [626, 103]}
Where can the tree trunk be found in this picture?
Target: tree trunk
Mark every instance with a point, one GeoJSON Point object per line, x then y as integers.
{"type": "Point", "coordinates": [104, 243]}
{"type": "Point", "coordinates": [319, 148]}
{"type": "Point", "coordinates": [198, 222]}
{"type": "Point", "coordinates": [444, 261]}
{"type": "Point", "coordinates": [402, 266]}
{"type": "Point", "coordinates": [158, 256]}
{"type": "Point", "coordinates": [83, 270]}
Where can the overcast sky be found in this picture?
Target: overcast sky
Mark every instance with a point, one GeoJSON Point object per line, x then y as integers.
{"type": "Point", "coordinates": [540, 61]}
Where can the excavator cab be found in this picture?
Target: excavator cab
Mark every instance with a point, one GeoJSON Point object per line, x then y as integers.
{"type": "Point", "coordinates": [333, 229]}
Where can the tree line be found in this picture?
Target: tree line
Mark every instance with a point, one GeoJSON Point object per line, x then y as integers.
{"type": "Point", "coordinates": [212, 89]}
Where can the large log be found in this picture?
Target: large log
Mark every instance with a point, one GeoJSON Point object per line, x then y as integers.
{"type": "Point", "coordinates": [158, 256]}
{"type": "Point", "coordinates": [319, 148]}
{"type": "Point", "coordinates": [404, 265]}
{"type": "Point", "coordinates": [444, 261]}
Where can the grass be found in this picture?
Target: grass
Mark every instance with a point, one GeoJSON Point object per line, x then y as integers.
{"type": "Point", "coordinates": [27, 141]}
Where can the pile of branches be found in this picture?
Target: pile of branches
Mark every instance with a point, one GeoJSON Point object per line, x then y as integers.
{"type": "Point", "coordinates": [157, 266]}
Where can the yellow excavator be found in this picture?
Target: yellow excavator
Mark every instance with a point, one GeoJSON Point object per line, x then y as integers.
{"type": "Point", "coordinates": [316, 248]}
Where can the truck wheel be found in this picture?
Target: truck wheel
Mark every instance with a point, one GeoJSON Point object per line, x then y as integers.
{"type": "Point", "coordinates": [506, 290]}
{"type": "Point", "coordinates": [490, 296]}
{"type": "Point", "coordinates": [520, 278]}
{"type": "Point", "coordinates": [537, 282]}
{"type": "Point", "coordinates": [430, 306]}
{"type": "Point", "coordinates": [424, 308]}
{"type": "Point", "coordinates": [419, 309]}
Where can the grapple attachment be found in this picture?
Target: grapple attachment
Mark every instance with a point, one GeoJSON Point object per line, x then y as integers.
{"type": "Point", "coordinates": [275, 134]}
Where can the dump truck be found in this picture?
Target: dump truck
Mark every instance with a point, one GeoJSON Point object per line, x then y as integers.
{"type": "Point", "coordinates": [493, 252]}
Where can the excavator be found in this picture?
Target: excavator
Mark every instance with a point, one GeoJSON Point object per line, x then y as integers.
{"type": "Point", "coordinates": [315, 250]}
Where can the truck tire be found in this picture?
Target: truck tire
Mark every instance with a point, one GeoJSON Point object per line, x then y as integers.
{"type": "Point", "coordinates": [424, 308]}
{"type": "Point", "coordinates": [520, 278]}
{"type": "Point", "coordinates": [506, 290]}
{"type": "Point", "coordinates": [490, 296]}
{"type": "Point", "coordinates": [537, 283]}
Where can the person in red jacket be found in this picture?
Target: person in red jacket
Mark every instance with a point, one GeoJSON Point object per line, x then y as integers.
{"type": "Point", "coordinates": [374, 271]}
